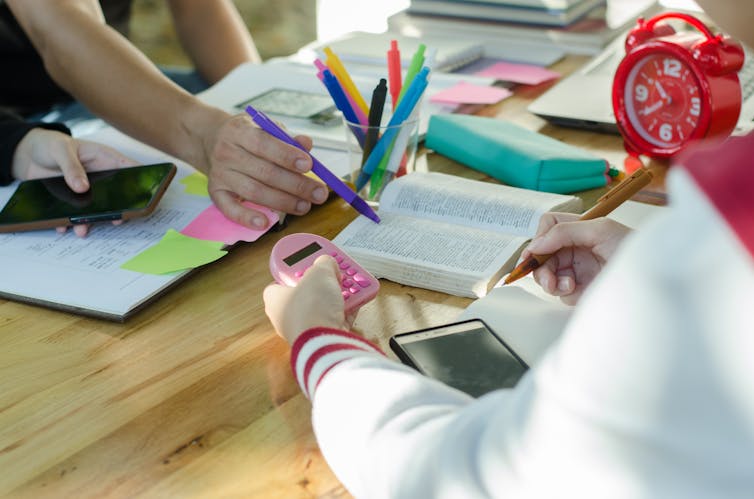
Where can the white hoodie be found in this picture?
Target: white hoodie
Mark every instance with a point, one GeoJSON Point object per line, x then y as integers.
{"type": "Point", "coordinates": [648, 393]}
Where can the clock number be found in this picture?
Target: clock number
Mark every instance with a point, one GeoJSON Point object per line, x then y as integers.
{"type": "Point", "coordinates": [696, 106]}
{"type": "Point", "coordinates": [672, 67]}
{"type": "Point", "coordinates": [641, 93]}
{"type": "Point", "coordinates": [666, 132]}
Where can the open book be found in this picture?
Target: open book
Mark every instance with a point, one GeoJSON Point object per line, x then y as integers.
{"type": "Point", "coordinates": [448, 233]}
{"type": "Point", "coordinates": [529, 320]}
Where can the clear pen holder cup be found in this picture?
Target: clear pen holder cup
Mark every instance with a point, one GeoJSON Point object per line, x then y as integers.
{"type": "Point", "coordinates": [390, 153]}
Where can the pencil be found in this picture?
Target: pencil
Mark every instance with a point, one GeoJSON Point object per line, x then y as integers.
{"type": "Point", "coordinates": [607, 203]}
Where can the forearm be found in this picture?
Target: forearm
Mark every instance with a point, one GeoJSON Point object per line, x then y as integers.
{"type": "Point", "coordinates": [387, 431]}
{"type": "Point", "coordinates": [111, 77]}
{"type": "Point", "coordinates": [214, 35]}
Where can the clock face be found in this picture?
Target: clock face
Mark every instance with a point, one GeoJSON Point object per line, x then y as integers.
{"type": "Point", "coordinates": [663, 100]}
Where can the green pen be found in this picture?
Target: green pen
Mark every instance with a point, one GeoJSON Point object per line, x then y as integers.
{"type": "Point", "coordinates": [413, 69]}
{"type": "Point", "coordinates": [375, 181]}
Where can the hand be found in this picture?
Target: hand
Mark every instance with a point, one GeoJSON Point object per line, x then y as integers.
{"type": "Point", "coordinates": [314, 302]}
{"type": "Point", "coordinates": [579, 250]}
{"type": "Point", "coordinates": [246, 163]}
{"type": "Point", "coordinates": [46, 153]}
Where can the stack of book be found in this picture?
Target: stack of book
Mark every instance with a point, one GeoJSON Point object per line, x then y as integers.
{"type": "Point", "coordinates": [543, 12]}
{"type": "Point", "coordinates": [578, 26]}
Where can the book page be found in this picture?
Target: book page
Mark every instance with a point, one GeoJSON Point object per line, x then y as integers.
{"type": "Point", "coordinates": [421, 252]}
{"type": "Point", "coordinates": [483, 205]}
{"type": "Point", "coordinates": [526, 322]}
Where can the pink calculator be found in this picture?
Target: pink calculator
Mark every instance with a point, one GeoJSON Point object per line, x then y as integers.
{"type": "Point", "coordinates": [295, 253]}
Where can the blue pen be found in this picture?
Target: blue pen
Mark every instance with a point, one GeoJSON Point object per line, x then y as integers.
{"type": "Point", "coordinates": [341, 102]}
{"type": "Point", "coordinates": [318, 168]}
{"type": "Point", "coordinates": [404, 109]}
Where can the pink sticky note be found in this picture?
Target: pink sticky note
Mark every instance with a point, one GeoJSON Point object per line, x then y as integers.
{"type": "Point", "coordinates": [211, 225]}
{"type": "Point", "coordinates": [527, 74]}
{"type": "Point", "coordinates": [468, 93]}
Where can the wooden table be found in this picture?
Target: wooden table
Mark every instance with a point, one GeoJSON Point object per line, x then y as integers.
{"type": "Point", "coordinates": [194, 396]}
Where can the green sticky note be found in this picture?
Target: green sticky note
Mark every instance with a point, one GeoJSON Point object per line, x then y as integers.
{"type": "Point", "coordinates": [175, 252]}
{"type": "Point", "coordinates": [196, 184]}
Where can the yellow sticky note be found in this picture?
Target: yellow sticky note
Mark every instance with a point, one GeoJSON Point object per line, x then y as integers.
{"type": "Point", "coordinates": [196, 184]}
{"type": "Point", "coordinates": [175, 252]}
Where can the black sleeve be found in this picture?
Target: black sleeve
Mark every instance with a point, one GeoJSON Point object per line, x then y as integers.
{"type": "Point", "coordinates": [12, 130]}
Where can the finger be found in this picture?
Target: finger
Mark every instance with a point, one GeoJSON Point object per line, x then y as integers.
{"type": "Point", "coordinates": [67, 160]}
{"type": "Point", "coordinates": [546, 279]}
{"type": "Point", "coordinates": [552, 218]}
{"type": "Point", "coordinates": [261, 144]}
{"type": "Point", "coordinates": [326, 264]}
{"type": "Point", "coordinates": [272, 195]}
{"type": "Point", "coordinates": [96, 156]}
{"type": "Point", "coordinates": [305, 141]}
{"type": "Point", "coordinates": [61, 230]}
{"type": "Point", "coordinates": [565, 282]}
{"type": "Point", "coordinates": [584, 234]}
{"type": "Point", "coordinates": [275, 299]}
{"type": "Point", "coordinates": [81, 230]}
{"type": "Point", "coordinates": [232, 208]}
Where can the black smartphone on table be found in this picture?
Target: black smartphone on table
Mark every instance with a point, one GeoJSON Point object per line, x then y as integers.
{"type": "Point", "coordinates": [466, 355]}
{"type": "Point", "coordinates": [119, 194]}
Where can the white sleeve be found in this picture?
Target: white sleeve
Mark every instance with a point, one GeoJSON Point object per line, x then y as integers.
{"type": "Point", "coordinates": [387, 431]}
{"type": "Point", "coordinates": [646, 393]}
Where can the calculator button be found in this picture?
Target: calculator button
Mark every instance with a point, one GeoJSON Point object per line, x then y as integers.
{"type": "Point", "coordinates": [344, 265]}
{"type": "Point", "coordinates": [334, 254]}
{"type": "Point", "coordinates": [354, 290]}
{"type": "Point", "coordinates": [347, 283]}
{"type": "Point", "coordinates": [362, 281]}
{"type": "Point", "coordinates": [346, 295]}
{"type": "Point", "coordinates": [350, 271]}
{"type": "Point", "coordinates": [298, 274]}
{"type": "Point", "coordinates": [339, 259]}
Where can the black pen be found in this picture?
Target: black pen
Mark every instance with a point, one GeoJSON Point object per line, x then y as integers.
{"type": "Point", "coordinates": [375, 118]}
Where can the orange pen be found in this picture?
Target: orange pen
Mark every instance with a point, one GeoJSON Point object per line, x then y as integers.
{"type": "Point", "coordinates": [607, 203]}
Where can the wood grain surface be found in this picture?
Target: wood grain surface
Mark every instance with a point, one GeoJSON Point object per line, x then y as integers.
{"type": "Point", "coordinates": [194, 396]}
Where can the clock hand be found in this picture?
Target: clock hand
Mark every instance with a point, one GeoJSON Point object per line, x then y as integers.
{"type": "Point", "coordinates": [662, 91]}
{"type": "Point", "coordinates": [650, 109]}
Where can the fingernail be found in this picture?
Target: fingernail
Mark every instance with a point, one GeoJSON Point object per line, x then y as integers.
{"type": "Point", "coordinates": [319, 194]}
{"type": "Point", "coordinates": [563, 284]}
{"type": "Point", "coordinates": [81, 184]}
{"type": "Point", "coordinates": [302, 165]}
{"type": "Point", "coordinates": [259, 222]}
{"type": "Point", "coordinates": [302, 206]}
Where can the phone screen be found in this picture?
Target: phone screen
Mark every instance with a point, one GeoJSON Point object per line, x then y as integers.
{"type": "Point", "coordinates": [466, 355]}
{"type": "Point", "coordinates": [112, 192]}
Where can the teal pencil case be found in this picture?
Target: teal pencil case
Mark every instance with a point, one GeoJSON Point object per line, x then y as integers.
{"type": "Point", "coordinates": [514, 155]}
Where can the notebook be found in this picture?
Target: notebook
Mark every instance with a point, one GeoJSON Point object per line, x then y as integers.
{"type": "Point", "coordinates": [496, 11]}
{"type": "Point", "coordinates": [371, 48]}
{"type": "Point", "coordinates": [563, 105]}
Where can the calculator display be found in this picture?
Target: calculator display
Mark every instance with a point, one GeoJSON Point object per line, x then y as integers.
{"type": "Point", "coordinates": [296, 257]}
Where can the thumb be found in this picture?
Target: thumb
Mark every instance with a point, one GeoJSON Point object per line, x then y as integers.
{"type": "Point", "coordinates": [324, 266]}
{"type": "Point", "coordinates": [74, 173]}
{"type": "Point", "coordinates": [584, 234]}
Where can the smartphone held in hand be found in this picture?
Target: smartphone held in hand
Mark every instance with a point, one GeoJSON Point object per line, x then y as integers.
{"type": "Point", "coordinates": [119, 194]}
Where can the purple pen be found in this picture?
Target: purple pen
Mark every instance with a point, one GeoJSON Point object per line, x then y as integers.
{"type": "Point", "coordinates": [320, 170]}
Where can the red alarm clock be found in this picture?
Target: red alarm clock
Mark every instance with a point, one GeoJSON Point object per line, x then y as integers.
{"type": "Point", "coordinates": [673, 88]}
